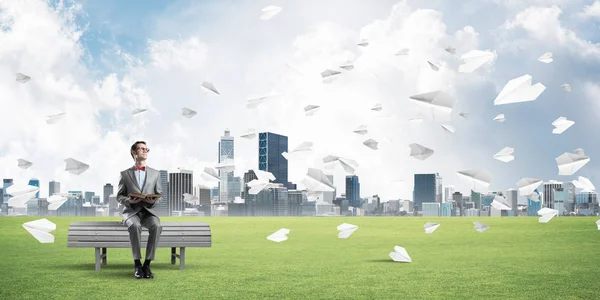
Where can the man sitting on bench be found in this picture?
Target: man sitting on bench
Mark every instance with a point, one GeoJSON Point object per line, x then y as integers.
{"type": "Point", "coordinates": [139, 192]}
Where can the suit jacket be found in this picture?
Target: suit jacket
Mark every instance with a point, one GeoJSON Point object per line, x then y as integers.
{"type": "Point", "coordinates": [128, 184]}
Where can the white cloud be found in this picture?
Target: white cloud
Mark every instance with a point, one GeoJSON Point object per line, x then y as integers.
{"type": "Point", "coordinates": [189, 54]}
{"type": "Point", "coordinates": [591, 11]}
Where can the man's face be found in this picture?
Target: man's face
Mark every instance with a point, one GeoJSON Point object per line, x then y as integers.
{"type": "Point", "coordinates": [142, 152]}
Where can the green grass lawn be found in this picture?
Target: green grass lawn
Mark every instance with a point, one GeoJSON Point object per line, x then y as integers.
{"type": "Point", "coordinates": [517, 258]}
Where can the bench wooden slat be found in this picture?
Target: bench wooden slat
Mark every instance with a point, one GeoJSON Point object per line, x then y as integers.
{"type": "Point", "coordinates": [161, 244]}
{"type": "Point", "coordinates": [121, 228]}
{"type": "Point", "coordinates": [164, 224]}
{"type": "Point", "coordinates": [144, 232]}
{"type": "Point", "coordinates": [144, 239]}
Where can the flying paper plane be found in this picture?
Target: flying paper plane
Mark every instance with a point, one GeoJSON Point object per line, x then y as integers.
{"type": "Point", "coordinates": [430, 227]}
{"type": "Point", "coordinates": [474, 59]}
{"type": "Point", "coordinates": [569, 163]}
{"type": "Point", "coordinates": [547, 214]}
{"type": "Point", "coordinates": [23, 164]}
{"type": "Point", "coordinates": [505, 155]}
{"type": "Point", "coordinates": [210, 87]}
{"type": "Point", "coordinates": [478, 180]}
{"type": "Point", "coordinates": [419, 151]}
{"type": "Point", "coordinates": [74, 166]}
{"type": "Point", "coordinates": [480, 226]}
{"type": "Point", "coordinates": [40, 230]}
{"type": "Point", "coordinates": [519, 90]}
{"type": "Point", "coordinates": [269, 12]}
{"type": "Point", "coordinates": [437, 105]}
{"type": "Point", "coordinates": [400, 255]}
{"type": "Point", "coordinates": [188, 113]}
{"type": "Point", "coordinates": [546, 57]}
{"type": "Point", "coordinates": [345, 230]}
{"type": "Point", "coordinates": [561, 124]}
{"type": "Point", "coordinates": [279, 236]}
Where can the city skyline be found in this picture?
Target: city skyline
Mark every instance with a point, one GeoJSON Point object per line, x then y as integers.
{"type": "Point", "coordinates": [98, 72]}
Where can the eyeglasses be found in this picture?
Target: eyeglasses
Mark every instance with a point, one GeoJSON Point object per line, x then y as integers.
{"type": "Point", "coordinates": [144, 149]}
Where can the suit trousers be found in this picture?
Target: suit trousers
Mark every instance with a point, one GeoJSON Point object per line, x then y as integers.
{"type": "Point", "coordinates": [134, 225]}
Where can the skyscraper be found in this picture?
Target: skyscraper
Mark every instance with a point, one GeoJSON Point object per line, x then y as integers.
{"type": "Point", "coordinates": [226, 151]}
{"type": "Point", "coordinates": [512, 197]}
{"type": "Point", "coordinates": [425, 189]}
{"type": "Point", "coordinates": [439, 191]}
{"type": "Point", "coordinates": [53, 188]}
{"type": "Point", "coordinates": [534, 206]}
{"type": "Point", "coordinates": [35, 182]}
{"type": "Point", "coordinates": [353, 190]}
{"type": "Point", "coordinates": [179, 183]}
{"type": "Point", "coordinates": [270, 147]}
{"type": "Point", "coordinates": [549, 192]}
{"type": "Point", "coordinates": [162, 208]}
{"type": "Point", "coordinates": [5, 184]}
{"type": "Point", "coordinates": [106, 192]}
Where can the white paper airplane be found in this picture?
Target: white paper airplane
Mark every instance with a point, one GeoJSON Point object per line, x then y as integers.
{"type": "Point", "coordinates": [377, 107]}
{"type": "Point", "coordinates": [348, 66]}
{"type": "Point", "coordinates": [500, 203]}
{"type": "Point", "coordinates": [598, 224]}
{"type": "Point", "coordinates": [316, 180]}
{"type": "Point", "coordinates": [21, 194]}
{"type": "Point", "coordinates": [437, 105]}
{"type": "Point", "coordinates": [451, 50]}
{"type": "Point", "coordinates": [449, 128]}
{"type": "Point", "coordinates": [254, 102]}
{"type": "Point", "coordinates": [138, 111]}
{"type": "Point", "coordinates": [210, 174]}
{"type": "Point", "coordinates": [546, 57]}
{"type": "Point", "coordinates": [519, 90]}
{"type": "Point", "coordinates": [527, 186]}
{"type": "Point", "coordinates": [499, 118]}
{"type": "Point", "coordinates": [474, 59]}
{"type": "Point", "coordinates": [310, 110]}
{"type": "Point", "coordinates": [226, 165]}
{"type": "Point", "coordinates": [463, 114]}
{"type": "Point", "coordinates": [269, 12]}
{"type": "Point", "coordinates": [363, 43]}
{"type": "Point", "coordinates": [56, 201]}
{"type": "Point", "coordinates": [434, 65]}
{"type": "Point", "coordinates": [53, 119]}
{"type": "Point", "coordinates": [566, 87]}
{"type": "Point", "coordinates": [480, 226]}
{"type": "Point", "coordinates": [547, 214]}
{"type": "Point", "coordinates": [478, 180]}
{"type": "Point", "coordinates": [188, 113]}
{"type": "Point", "coordinates": [362, 130]}
{"type": "Point", "coordinates": [74, 166]}
{"type": "Point", "coordinates": [585, 184]}
{"type": "Point", "coordinates": [345, 230]}
{"type": "Point", "coordinates": [371, 143]}
{"type": "Point", "coordinates": [22, 78]}
{"type": "Point", "coordinates": [249, 134]}
{"type": "Point", "coordinates": [420, 152]}
{"type": "Point", "coordinates": [561, 124]}
{"type": "Point", "coordinates": [403, 51]}
{"type": "Point", "coordinates": [505, 155]}
{"type": "Point", "coordinates": [569, 163]}
{"type": "Point", "coordinates": [40, 230]}
{"type": "Point", "coordinates": [329, 73]}
{"type": "Point", "coordinates": [400, 255]}
{"type": "Point", "coordinates": [332, 161]}
{"type": "Point", "coordinates": [430, 227]}
{"type": "Point", "coordinates": [23, 164]}
{"type": "Point", "coordinates": [210, 87]}
{"type": "Point", "coordinates": [279, 235]}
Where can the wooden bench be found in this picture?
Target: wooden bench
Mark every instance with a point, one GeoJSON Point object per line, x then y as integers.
{"type": "Point", "coordinates": [103, 235]}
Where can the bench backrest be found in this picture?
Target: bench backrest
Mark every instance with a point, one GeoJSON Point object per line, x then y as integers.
{"type": "Point", "coordinates": [116, 235]}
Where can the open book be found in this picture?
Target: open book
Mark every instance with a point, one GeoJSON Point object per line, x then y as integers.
{"type": "Point", "coordinates": [149, 198]}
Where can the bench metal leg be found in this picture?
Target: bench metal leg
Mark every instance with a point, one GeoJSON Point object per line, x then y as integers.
{"type": "Point", "coordinates": [104, 256]}
{"type": "Point", "coordinates": [173, 255]}
{"type": "Point", "coordinates": [181, 258]}
{"type": "Point", "coordinates": [97, 259]}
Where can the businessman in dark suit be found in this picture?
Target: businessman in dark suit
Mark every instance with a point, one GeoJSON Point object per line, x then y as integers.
{"type": "Point", "coordinates": [137, 213]}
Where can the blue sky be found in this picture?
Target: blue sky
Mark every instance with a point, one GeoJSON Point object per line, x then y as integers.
{"type": "Point", "coordinates": [175, 45]}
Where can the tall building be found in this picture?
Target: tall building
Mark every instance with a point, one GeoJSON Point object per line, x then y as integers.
{"type": "Point", "coordinates": [328, 197]}
{"type": "Point", "coordinates": [53, 188]}
{"type": "Point", "coordinates": [457, 197]}
{"type": "Point", "coordinates": [431, 209]}
{"type": "Point", "coordinates": [162, 208]}
{"type": "Point", "coordinates": [179, 183]}
{"type": "Point", "coordinates": [353, 190]}
{"type": "Point", "coordinates": [586, 204]}
{"type": "Point", "coordinates": [476, 198]}
{"type": "Point", "coordinates": [226, 151]}
{"type": "Point", "coordinates": [512, 197]}
{"type": "Point", "coordinates": [35, 182]}
{"type": "Point", "coordinates": [439, 190]}
{"type": "Point", "coordinates": [448, 191]}
{"type": "Point", "coordinates": [107, 190]}
{"type": "Point", "coordinates": [270, 147]}
{"type": "Point", "coordinates": [235, 188]}
{"type": "Point", "coordinates": [88, 196]}
{"type": "Point", "coordinates": [549, 192]}
{"type": "Point", "coordinates": [561, 198]}
{"type": "Point", "coordinates": [248, 176]}
{"type": "Point", "coordinates": [425, 190]}
{"type": "Point", "coordinates": [534, 206]}
{"type": "Point", "coordinates": [203, 195]}
{"type": "Point", "coordinates": [5, 184]}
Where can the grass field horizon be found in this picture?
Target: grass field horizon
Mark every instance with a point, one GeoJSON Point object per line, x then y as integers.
{"type": "Point", "coordinates": [517, 258]}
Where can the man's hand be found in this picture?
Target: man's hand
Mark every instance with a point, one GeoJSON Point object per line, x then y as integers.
{"type": "Point", "coordinates": [150, 200]}
{"type": "Point", "coordinates": [134, 200]}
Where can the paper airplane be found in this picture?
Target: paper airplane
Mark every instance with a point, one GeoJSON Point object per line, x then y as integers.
{"type": "Point", "coordinates": [53, 119]}
{"type": "Point", "coordinates": [561, 124]}
{"type": "Point", "coordinates": [317, 181]}
{"type": "Point", "coordinates": [21, 194]}
{"type": "Point", "coordinates": [74, 166]}
{"type": "Point", "coordinates": [249, 134]}
{"type": "Point", "coordinates": [400, 255]}
{"type": "Point", "coordinates": [279, 235]}
{"type": "Point", "coordinates": [377, 107]}
{"type": "Point", "coordinates": [227, 165]}
{"type": "Point", "coordinates": [345, 230]}
{"type": "Point", "coordinates": [519, 90]}
{"type": "Point", "coordinates": [566, 87]}
{"type": "Point", "coordinates": [331, 161]}
{"type": "Point", "coordinates": [449, 128]}
{"type": "Point", "coordinates": [269, 12]}
{"type": "Point", "coordinates": [546, 57]}
{"type": "Point", "coordinates": [363, 43]}
{"type": "Point", "coordinates": [478, 180]}
{"type": "Point", "coordinates": [430, 227]}
{"type": "Point", "coordinates": [463, 114]}
{"type": "Point", "coordinates": [505, 155]}
{"type": "Point", "coordinates": [499, 118]}
{"type": "Point", "coordinates": [547, 214]}
{"type": "Point", "coordinates": [527, 186]}
{"type": "Point", "coordinates": [417, 120]}
{"type": "Point", "coordinates": [500, 203]}
{"type": "Point", "coordinates": [22, 78]}
{"type": "Point", "coordinates": [347, 66]}
{"type": "Point", "coordinates": [210, 174]}
{"type": "Point", "coordinates": [419, 151]}
{"type": "Point", "coordinates": [23, 164]}
{"type": "Point", "coordinates": [210, 87]}
{"type": "Point", "coordinates": [371, 143]}
{"type": "Point", "coordinates": [362, 130]}
{"type": "Point", "coordinates": [598, 224]}
{"type": "Point", "coordinates": [310, 110]}
{"type": "Point", "coordinates": [329, 73]}
{"type": "Point", "coordinates": [569, 163]}
{"type": "Point", "coordinates": [535, 197]}
{"type": "Point", "coordinates": [480, 226]}
{"type": "Point", "coordinates": [188, 113]}
{"type": "Point", "coordinates": [434, 65]}
{"type": "Point", "coordinates": [40, 230]}
{"type": "Point", "coordinates": [138, 111]}
{"type": "Point", "coordinates": [437, 105]}
{"type": "Point", "coordinates": [451, 50]}
{"type": "Point", "coordinates": [585, 184]}
{"type": "Point", "coordinates": [262, 181]}
{"type": "Point", "coordinates": [403, 51]}
{"type": "Point", "coordinates": [474, 59]}
{"type": "Point", "coordinates": [56, 201]}
{"type": "Point", "coordinates": [256, 101]}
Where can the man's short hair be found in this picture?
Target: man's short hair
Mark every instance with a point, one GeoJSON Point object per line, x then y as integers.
{"type": "Point", "coordinates": [134, 148]}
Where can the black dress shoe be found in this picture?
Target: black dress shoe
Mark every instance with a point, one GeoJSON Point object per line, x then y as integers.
{"type": "Point", "coordinates": [147, 272]}
{"type": "Point", "coordinates": [139, 273]}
